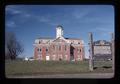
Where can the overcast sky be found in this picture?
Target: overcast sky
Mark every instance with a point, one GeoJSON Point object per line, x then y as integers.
{"type": "Point", "coordinates": [29, 22]}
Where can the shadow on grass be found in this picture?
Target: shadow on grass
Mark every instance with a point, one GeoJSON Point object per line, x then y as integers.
{"type": "Point", "coordinates": [95, 67]}
{"type": "Point", "coordinates": [107, 67]}
{"type": "Point", "coordinates": [104, 67]}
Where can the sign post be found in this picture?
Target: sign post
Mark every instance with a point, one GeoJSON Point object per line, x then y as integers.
{"type": "Point", "coordinates": [91, 52]}
{"type": "Point", "coordinates": [112, 50]}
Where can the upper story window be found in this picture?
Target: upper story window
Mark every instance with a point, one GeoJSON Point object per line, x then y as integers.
{"type": "Point", "coordinates": [47, 49]}
{"type": "Point", "coordinates": [65, 47]}
{"type": "Point", "coordinates": [59, 47]}
{"type": "Point", "coordinates": [53, 47]}
{"type": "Point", "coordinates": [39, 42]}
{"type": "Point", "coordinates": [39, 49]}
{"type": "Point", "coordinates": [79, 50]}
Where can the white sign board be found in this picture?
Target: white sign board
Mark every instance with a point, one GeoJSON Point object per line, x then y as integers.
{"type": "Point", "coordinates": [102, 50]}
{"type": "Point", "coordinates": [47, 58]}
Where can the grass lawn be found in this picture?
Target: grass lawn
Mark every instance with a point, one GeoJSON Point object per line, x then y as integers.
{"type": "Point", "coordinates": [18, 67]}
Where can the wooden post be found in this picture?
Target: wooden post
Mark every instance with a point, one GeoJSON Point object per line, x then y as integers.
{"type": "Point", "coordinates": [91, 52]}
{"type": "Point", "coordinates": [112, 50]}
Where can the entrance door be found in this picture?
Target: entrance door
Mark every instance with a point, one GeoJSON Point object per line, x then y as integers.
{"type": "Point", "coordinates": [71, 53]}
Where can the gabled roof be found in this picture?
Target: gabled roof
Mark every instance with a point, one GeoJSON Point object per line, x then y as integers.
{"type": "Point", "coordinates": [59, 39]}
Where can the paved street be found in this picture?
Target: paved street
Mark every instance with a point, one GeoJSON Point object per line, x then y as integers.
{"type": "Point", "coordinates": [86, 75]}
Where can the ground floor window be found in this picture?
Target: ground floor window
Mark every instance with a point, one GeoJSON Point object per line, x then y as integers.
{"type": "Point", "coordinates": [79, 57]}
{"type": "Point", "coordinates": [39, 56]}
{"type": "Point", "coordinates": [60, 57]}
{"type": "Point", "coordinates": [66, 57]}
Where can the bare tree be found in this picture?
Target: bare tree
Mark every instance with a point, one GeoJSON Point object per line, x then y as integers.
{"type": "Point", "coordinates": [13, 48]}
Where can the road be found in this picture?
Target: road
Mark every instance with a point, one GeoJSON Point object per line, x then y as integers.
{"type": "Point", "coordinates": [85, 75]}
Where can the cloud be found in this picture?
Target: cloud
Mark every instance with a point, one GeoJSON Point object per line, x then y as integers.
{"type": "Point", "coordinates": [15, 15]}
{"type": "Point", "coordinates": [12, 10]}
{"type": "Point", "coordinates": [104, 29]}
{"type": "Point", "coordinates": [80, 14]}
{"type": "Point", "coordinates": [10, 24]}
{"type": "Point", "coordinates": [27, 15]}
{"type": "Point", "coordinates": [44, 19]}
{"type": "Point", "coordinates": [53, 23]}
{"type": "Point", "coordinates": [15, 10]}
{"type": "Point", "coordinates": [47, 20]}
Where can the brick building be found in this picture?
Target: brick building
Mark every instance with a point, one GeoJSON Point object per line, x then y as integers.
{"type": "Point", "coordinates": [58, 48]}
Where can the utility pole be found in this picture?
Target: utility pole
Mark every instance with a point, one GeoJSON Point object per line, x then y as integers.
{"type": "Point", "coordinates": [112, 51]}
{"type": "Point", "coordinates": [90, 51]}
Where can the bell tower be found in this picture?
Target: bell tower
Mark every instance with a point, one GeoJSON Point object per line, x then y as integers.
{"type": "Point", "coordinates": [59, 31]}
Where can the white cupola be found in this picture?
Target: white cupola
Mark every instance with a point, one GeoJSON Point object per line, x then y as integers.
{"type": "Point", "coordinates": [59, 31]}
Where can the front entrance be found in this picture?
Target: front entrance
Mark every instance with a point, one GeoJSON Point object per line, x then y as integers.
{"type": "Point", "coordinates": [71, 52]}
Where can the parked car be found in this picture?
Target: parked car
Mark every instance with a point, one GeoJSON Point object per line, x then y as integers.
{"type": "Point", "coordinates": [26, 59]}
{"type": "Point", "coordinates": [31, 59]}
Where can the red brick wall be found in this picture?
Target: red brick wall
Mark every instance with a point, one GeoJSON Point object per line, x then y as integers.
{"type": "Point", "coordinates": [62, 52]}
{"type": "Point", "coordinates": [35, 53]}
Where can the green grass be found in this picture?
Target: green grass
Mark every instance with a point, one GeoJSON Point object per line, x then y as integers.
{"type": "Point", "coordinates": [52, 67]}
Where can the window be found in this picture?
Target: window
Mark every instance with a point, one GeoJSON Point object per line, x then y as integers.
{"type": "Point", "coordinates": [59, 47]}
{"type": "Point", "coordinates": [46, 49]}
{"type": "Point", "coordinates": [38, 49]}
{"type": "Point", "coordinates": [39, 42]}
{"type": "Point", "coordinates": [56, 47]}
{"type": "Point", "coordinates": [78, 42]}
{"type": "Point", "coordinates": [80, 50]}
{"type": "Point", "coordinates": [53, 47]}
{"type": "Point", "coordinates": [65, 47]}
{"type": "Point", "coordinates": [53, 57]}
{"type": "Point", "coordinates": [65, 57]}
{"type": "Point", "coordinates": [40, 56]}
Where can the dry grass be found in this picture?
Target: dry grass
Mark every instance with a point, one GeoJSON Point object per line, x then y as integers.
{"type": "Point", "coordinates": [52, 67]}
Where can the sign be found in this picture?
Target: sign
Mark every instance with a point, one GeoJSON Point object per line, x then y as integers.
{"type": "Point", "coordinates": [102, 49]}
{"type": "Point", "coordinates": [47, 58]}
